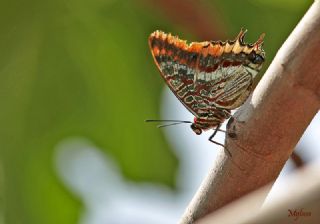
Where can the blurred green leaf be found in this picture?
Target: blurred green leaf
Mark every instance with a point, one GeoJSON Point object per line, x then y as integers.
{"type": "Point", "coordinates": [75, 69]}
{"type": "Point", "coordinates": [295, 5]}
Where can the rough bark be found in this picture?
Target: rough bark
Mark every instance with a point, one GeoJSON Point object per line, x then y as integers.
{"type": "Point", "coordinates": [266, 129]}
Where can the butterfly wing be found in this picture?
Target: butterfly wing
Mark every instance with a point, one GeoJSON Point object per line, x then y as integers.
{"type": "Point", "coordinates": [205, 76]}
{"type": "Point", "coordinates": [177, 65]}
{"type": "Point", "coordinates": [227, 87]}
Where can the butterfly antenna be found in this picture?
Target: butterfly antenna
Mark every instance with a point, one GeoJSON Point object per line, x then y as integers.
{"type": "Point", "coordinates": [166, 125]}
{"type": "Point", "coordinates": [175, 121]}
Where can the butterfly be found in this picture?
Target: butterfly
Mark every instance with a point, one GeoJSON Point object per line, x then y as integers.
{"type": "Point", "coordinates": [210, 78]}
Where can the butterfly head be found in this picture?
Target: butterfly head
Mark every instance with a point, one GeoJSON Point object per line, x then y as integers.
{"type": "Point", "coordinates": [203, 124]}
{"type": "Point", "coordinates": [254, 53]}
{"type": "Point", "coordinates": [196, 129]}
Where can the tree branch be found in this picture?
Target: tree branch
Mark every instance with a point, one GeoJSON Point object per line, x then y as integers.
{"type": "Point", "coordinates": [303, 196]}
{"type": "Point", "coordinates": [269, 125]}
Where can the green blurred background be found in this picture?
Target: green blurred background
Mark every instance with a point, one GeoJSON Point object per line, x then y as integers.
{"type": "Point", "coordinates": [83, 68]}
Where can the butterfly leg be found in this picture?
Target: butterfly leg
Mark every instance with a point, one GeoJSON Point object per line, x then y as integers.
{"type": "Point", "coordinates": [213, 134]}
{"type": "Point", "coordinates": [217, 143]}
{"type": "Point", "coordinates": [227, 113]}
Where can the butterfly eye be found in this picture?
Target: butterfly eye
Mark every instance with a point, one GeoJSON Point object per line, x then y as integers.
{"type": "Point", "coordinates": [256, 58]}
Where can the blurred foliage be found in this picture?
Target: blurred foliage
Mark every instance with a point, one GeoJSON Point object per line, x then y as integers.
{"type": "Point", "coordinates": [83, 68]}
